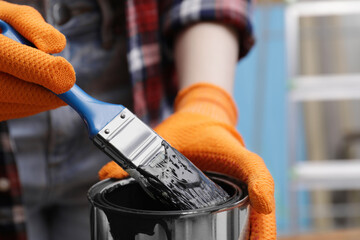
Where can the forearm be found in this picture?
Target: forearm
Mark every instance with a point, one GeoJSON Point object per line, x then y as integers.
{"type": "Point", "coordinates": [207, 52]}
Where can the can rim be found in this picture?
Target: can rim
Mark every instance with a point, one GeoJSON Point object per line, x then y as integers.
{"type": "Point", "coordinates": [239, 198]}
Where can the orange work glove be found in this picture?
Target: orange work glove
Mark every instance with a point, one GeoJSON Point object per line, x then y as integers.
{"type": "Point", "coordinates": [23, 69]}
{"type": "Point", "coordinates": [203, 129]}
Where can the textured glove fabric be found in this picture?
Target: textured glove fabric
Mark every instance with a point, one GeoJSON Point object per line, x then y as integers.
{"type": "Point", "coordinates": [203, 129]}
{"type": "Point", "coordinates": [112, 170]}
{"type": "Point", "coordinates": [262, 227]}
{"type": "Point", "coordinates": [25, 71]}
{"type": "Point", "coordinates": [30, 24]}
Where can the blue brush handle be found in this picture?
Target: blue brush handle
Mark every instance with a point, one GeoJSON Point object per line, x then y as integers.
{"type": "Point", "coordinates": [95, 113]}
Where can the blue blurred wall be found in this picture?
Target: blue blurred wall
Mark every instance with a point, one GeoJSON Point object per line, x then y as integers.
{"type": "Point", "coordinates": [260, 91]}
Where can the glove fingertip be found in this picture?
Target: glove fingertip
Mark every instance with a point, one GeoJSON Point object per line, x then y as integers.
{"type": "Point", "coordinates": [112, 170]}
{"type": "Point", "coordinates": [106, 170]}
{"type": "Point", "coordinates": [30, 24]}
{"type": "Point", "coordinates": [262, 197]}
{"type": "Point", "coordinates": [52, 42]}
{"type": "Point", "coordinates": [61, 75]}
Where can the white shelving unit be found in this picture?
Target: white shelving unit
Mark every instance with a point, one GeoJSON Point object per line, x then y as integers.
{"type": "Point", "coordinates": [324, 174]}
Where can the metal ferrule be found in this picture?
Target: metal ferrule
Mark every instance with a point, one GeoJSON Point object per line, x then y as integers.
{"type": "Point", "coordinates": [128, 141]}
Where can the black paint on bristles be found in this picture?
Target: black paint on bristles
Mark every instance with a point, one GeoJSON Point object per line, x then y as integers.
{"type": "Point", "coordinates": [175, 181]}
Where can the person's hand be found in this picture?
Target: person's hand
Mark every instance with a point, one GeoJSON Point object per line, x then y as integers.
{"type": "Point", "coordinates": [202, 128]}
{"type": "Point", "coordinates": [26, 72]}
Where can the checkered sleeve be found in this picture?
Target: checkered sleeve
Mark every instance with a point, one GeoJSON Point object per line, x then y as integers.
{"type": "Point", "coordinates": [177, 14]}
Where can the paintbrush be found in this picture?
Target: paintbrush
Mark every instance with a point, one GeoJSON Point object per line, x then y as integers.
{"type": "Point", "coordinates": [163, 172]}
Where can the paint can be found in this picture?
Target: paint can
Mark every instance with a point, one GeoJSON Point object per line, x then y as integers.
{"type": "Point", "coordinates": [121, 210]}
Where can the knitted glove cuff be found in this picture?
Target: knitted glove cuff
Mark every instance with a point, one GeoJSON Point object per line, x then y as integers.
{"type": "Point", "coordinates": [208, 100]}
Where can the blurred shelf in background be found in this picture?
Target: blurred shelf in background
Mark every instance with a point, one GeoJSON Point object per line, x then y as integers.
{"type": "Point", "coordinates": [305, 124]}
{"type": "Point", "coordinates": [323, 53]}
{"type": "Point", "coordinates": [351, 234]}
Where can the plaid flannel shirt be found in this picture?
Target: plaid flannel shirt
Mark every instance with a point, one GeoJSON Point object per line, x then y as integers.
{"type": "Point", "coordinates": [151, 25]}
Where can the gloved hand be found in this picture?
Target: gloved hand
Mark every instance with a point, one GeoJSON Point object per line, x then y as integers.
{"type": "Point", "coordinates": [203, 129]}
{"type": "Point", "coordinates": [23, 69]}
